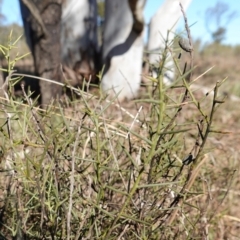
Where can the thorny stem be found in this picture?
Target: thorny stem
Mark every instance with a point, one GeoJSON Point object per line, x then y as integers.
{"type": "Point", "coordinates": [189, 39]}
{"type": "Point", "coordinates": [178, 199]}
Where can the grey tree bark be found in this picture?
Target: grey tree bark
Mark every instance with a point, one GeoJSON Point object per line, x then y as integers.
{"type": "Point", "coordinates": [42, 21]}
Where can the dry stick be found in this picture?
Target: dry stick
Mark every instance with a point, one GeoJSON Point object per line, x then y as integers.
{"type": "Point", "coordinates": [135, 118]}
{"type": "Point", "coordinates": [189, 39]}
{"type": "Point", "coordinates": [72, 181]}
{"type": "Point", "coordinates": [202, 74]}
{"type": "Point", "coordinates": [190, 52]}
{"type": "Point", "coordinates": [123, 232]}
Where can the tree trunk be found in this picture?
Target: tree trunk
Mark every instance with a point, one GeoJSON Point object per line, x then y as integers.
{"type": "Point", "coordinates": [43, 23]}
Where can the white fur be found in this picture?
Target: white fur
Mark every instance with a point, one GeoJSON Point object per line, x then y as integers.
{"type": "Point", "coordinates": [79, 20]}
{"type": "Point", "coordinates": [124, 49]}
